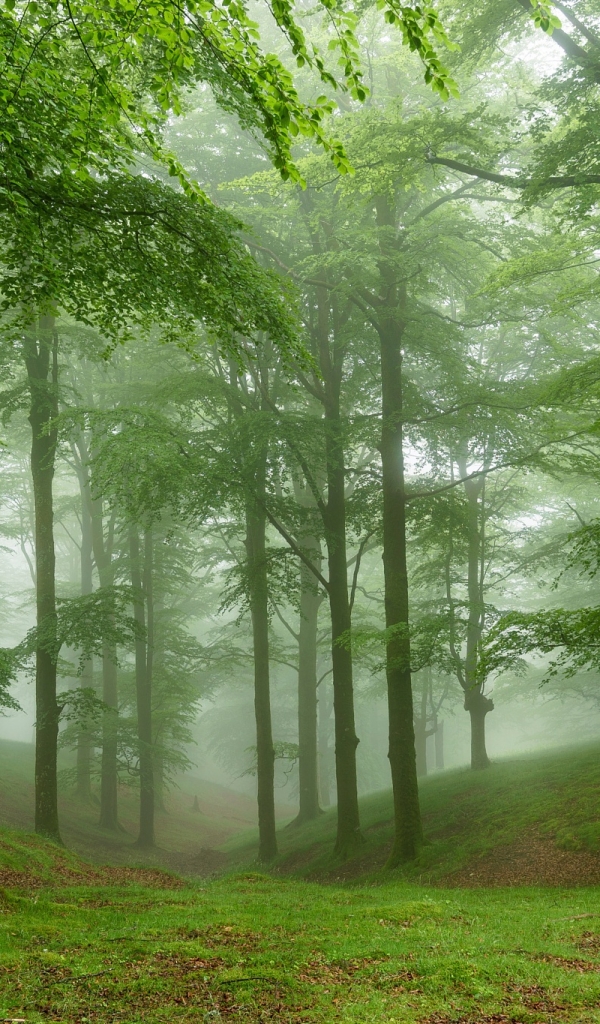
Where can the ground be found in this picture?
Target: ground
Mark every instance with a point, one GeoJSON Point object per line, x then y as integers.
{"type": "Point", "coordinates": [457, 938]}
{"type": "Point", "coordinates": [530, 820]}
{"type": "Point", "coordinates": [125, 946]}
{"type": "Point", "coordinates": [187, 839]}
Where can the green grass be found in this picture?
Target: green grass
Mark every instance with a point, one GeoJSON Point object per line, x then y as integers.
{"type": "Point", "coordinates": [253, 948]}
{"type": "Point", "coordinates": [552, 799]}
{"type": "Point", "coordinates": [84, 944]}
{"type": "Point", "coordinates": [181, 832]}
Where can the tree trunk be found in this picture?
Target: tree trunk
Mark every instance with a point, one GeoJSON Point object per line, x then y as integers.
{"type": "Point", "coordinates": [325, 709]}
{"type": "Point", "coordinates": [420, 726]}
{"type": "Point", "coordinates": [331, 355]}
{"type": "Point", "coordinates": [421, 746]}
{"type": "Point", "coordinates": [84, 737]}
{"type": "Point", "coordinates": [143, 680]}
{"type": "Point", "coordinates": [476, 703]}
{"type": "Point", "coordinates": [258, 584]}
{"type": "Point", "coordinates": [110, 719]}
{"type": "Point", "coordinates": [41, 359]}
{"type": "Point", "coordinates": [478, 707]}
{"type": "Point", "coordinates": [439, 745]}
{"type": "Point", "coordinates": [310, 600]}
{"type": "Point", "coordinates": [348, 835]}
{"type": "Point", "coordinates": [407, 816]}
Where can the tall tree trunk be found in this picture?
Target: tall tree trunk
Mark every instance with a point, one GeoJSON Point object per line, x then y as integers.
{"type": "Point", "coordinates": [408, 834]}
{"type": "Point", "coordinates": [258, 583]}
{"type": "Point", "coordinates": [421, 747]}
{"type": "Point", "coordinates": [476, 703]}
{"type": "Point", "coordinates": [41, 360]}
{"type": "Point", "coordinates": [331, 352]}
{"type": "Point", "coordinates": [420, 723]}
{"type": "Point", "coordinates": [348, 835]}
{"type": "Point", "coordinates": [310, 600]}
{"type": "Point", "coordinates": [110, 720]}
{"type": "Point", "coordinates": [439, 745]}
{"type": "Point", "coordinates": [84, 737]}
{"type": "Point", "coordinates": [407, 816]}
{"type": "Point", "coordinates": [324, 715]}
{"type": "Point", "coordinates": [143, 679]}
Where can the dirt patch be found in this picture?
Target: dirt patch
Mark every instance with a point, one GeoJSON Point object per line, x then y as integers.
{"type": "Point", "coordinates": [535, 997]}
{"type": "Point", "coordinates": [589, 941]}
{"type": "Point", "coordinates": [296, 861]}
{"type": "Point", "coordinates": [320, 971]}
{"type": "Point", "coordinates": [492, 1018]}
{"type": "Point", "coordinates": [532, 859]}
{"type": "Point", "coordinates": [65, 875]}
{"type": "Point", "coordinates": [569, 963]}
{"type": "Point", "coordinates": [216, 936]}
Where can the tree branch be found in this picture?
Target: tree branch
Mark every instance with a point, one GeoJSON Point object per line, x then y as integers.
{"type": "Point", "coordinates": [554, 181]}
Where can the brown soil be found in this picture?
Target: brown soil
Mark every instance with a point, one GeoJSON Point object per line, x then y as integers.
{"type": "Point", "coordinates": [532, 859]}
{"type": "Point", "coordinates": [66, 875]}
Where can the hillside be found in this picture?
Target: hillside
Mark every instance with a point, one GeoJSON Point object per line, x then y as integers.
{"type": "Point", "coordinates": [526, 821]}
{"type": "Point", "coordinates": [535, 820]}
{"type": "Point", "coordinates": [186, 839]}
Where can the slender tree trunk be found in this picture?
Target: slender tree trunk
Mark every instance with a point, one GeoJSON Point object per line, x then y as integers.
{"type": "Point", "coordinates": [41, 359]}
{"type": "Point", "coordinates": [348, 835]}
{"type": "Point", "coordinates": [476, 703]}
{"type": "Point", "coordinates": [420, 724]}
{"type": "Point", "coordinates": [325, 709]}
{"type": "Point", "coordinates": [331, 355]}
{"type": "Point", "coordinates": [258, 583]}
{"type": "Point", "coordinates": [310, 600]}
{"type": "Point", "coordinates": [421, 746]}
{"type": "Point", "coordinates": [110, 693]}
{"type": "Point", "coordinates": [143, 680]}
{"type": "Point", "coordinates": [439, 745]}
{"type": "Point", "coordinates": [84, 737]}
{"type": "Point", "coordinates": [407, 815]}
{"type": "Point", "coordinates": [159, 779]}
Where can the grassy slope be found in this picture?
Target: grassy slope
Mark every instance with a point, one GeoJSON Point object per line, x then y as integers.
{"type": "Point", "coordinates": [251, 948]}
{"type": "Point", "coordinates": [475, 823]}
{"type": "Point", "coordinates": [182, 834]}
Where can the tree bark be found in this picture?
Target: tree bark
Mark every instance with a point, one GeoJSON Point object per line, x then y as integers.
{"type": "Point", "coordinates": [439, 745]}
{"type": "Point", "coordinates": [348, 835]}
{"type": "Point", "coordinates": [84, 737]}
{"type": "Point", "coordinates": [325, 706]}
{"type": "Point", "coordinates": [258, 585]}
{"type": "Point", "coordinates": [143, 679]}
{"type": "Point", "coordinates": [41, 360]}
{"type": "Point", "coordinates": [478, 706]}
{"type": "Point", "coordinates": [408, 833]}
{"type": "Point", "coordinates": [421, 747]}
{"type": "Point", "coordinates": [420, 724]}
{"type": "Point", "coordinates": [476, 703]}
{"type": "Point", "coordinates": [310, 600]}
{"type": "Point", "coordinates": [110, 720]}
{"type": "Point", "coordinates": [407, 815]}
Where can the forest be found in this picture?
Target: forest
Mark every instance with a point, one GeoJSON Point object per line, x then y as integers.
{"type": "Point", "coordinates": [299, 530]}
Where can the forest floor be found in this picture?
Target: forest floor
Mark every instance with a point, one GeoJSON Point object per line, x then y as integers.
{"type": "Point", "coordinates": [535, 820]}
{"type": "Point", "coordinates": [79, 943]}
{"type": "Point", "coordinates": [187, 840]}
{"type": "Point", "coordinates": [527, 821]}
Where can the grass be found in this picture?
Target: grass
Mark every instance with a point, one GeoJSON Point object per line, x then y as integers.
{"type": "Point", "coordinates": [253, 948]}
{"type": "Point", "coordinates": [182, 833]}
{"type": "Point", "coordinates": [81, 944]}
{"type": "Point", "coordinates": [550, 801]}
